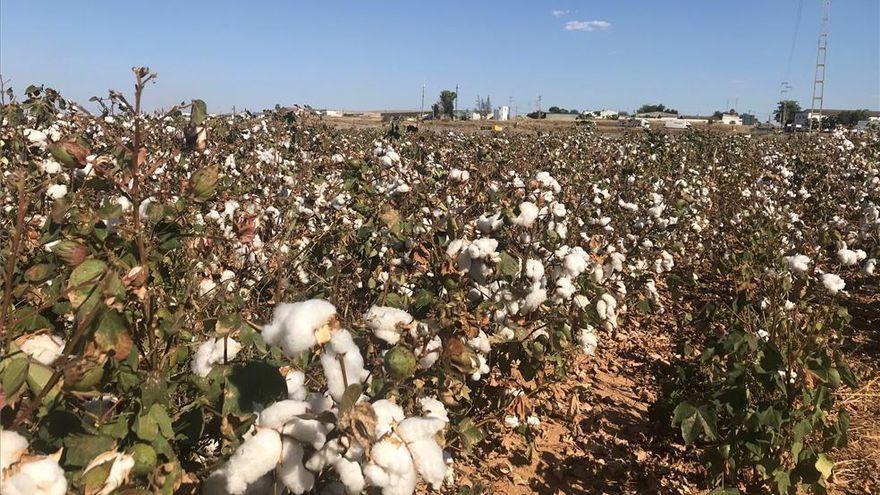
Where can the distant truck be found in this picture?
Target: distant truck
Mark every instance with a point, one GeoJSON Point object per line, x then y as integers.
{"type": "Point", "coordinates": [635, 123]}
{"type": "Point", "coordinates": [678, 124]}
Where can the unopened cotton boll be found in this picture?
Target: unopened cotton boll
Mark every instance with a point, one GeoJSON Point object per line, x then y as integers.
{"type": "Point", "coordinates": [213, 351]}
{"type": "Point", "coordinates": [387, 322]}
{"type": "Point", "coordinates": [528, 213]}
{"type": "Point", "coordinates": [294, 326]}
{"type": "Point", "coordinates": [43, 348]}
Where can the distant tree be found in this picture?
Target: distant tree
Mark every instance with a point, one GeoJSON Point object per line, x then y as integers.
{"type": "Point", "coordinates": [447, 102]}
{"type": "Point", "coordinates": [537, 115]}
{"type": "Point", "coordinates": [850, 118]}
{"type": "Point", "coordinates": [717, 115]}
{"type": "Point", "coordinates": [652, 108]}
{"type": "Point", "coordinates": [574, 111]}
{"type": "Point", "coordinates": [748, 119]}
{"type": "Point", "coordinates": [555, 109]}
{"type": "Point", "coordinates": [786, 108]}
{"type": "Point", "coordinates": [830, 122]}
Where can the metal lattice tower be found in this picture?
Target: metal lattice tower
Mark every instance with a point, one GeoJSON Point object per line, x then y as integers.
{"type": "Point", "coordinates": [821, 57]}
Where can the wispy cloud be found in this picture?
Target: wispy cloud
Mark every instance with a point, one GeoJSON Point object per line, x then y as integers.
{"type": "Point", "coordinates": [560, 13]}
{"type": "Point", "coordinates": [587, 26]}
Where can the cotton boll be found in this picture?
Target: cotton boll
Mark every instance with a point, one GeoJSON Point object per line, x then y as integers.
{"type": "Point", "coordinates": [56, 191]}
{"type": "Point", "coordinates": [528, 213]}
{"type": "Point", "coordinates": [588, 340]}
{"type": "Point", "coordinates": [848, 257]}
{"type": "Point", "coordinates": [388, 414]}
{"type": "Point", "coordinates": [12, 447]}
{"type": "Point", "coordinates": [533, 300]}
{"type": "Point", "coordinates": [327, 455]}
{"type": "Point", "coordinates": [575, 262]}
{"type": "Point", "coordinates": [255, 457]}
{"type": "Point", "coordinates": [294, 326]}
{"type": "Point", "coordinates": [295, 381]}
{"type": "Point", "coordinates": [50, 166]}
{"type": "Point", "coordinates": [869, 266]}
{"type": "Point", "coordinates": [429, 353]}
{"type": "Point", "coordinates": [41, 477]}
{"type": "Point", "coordinates": [428, 458]}
{"type": "Point", "coordinates": [433, 408]}
{"type": "Point", "coordinates": [43, 348]}
{"type": "Point", "coordinates": [281, 413]}
{"type": "Point", "coordinates": [487, 224]}
{"type": "Point", "coordinates": [350, 475]}
{"type": "Point", "coordinates": [798, 264]}
{"type": "Point", "coordinates": [534, 270]}
{"type": "Point", "coordinates": [564, 288]}
{"type": "Point", "coordinates": [206, 286]}
{"type": "Point", "coordinates": [291, 472]}
{"type": "Point", "coordinates": [833, 284]}
{"type": "Point", "coordinates": [341, 344]}
{"type": "Point", "coordinates": [386, 322]}
{"type": "Point", "coordinates": [214, 351]}
{"type": "Point", "coordinates": [480, 343]}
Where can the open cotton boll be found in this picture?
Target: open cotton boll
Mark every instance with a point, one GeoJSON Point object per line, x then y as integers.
{"type": "Point", "coordinates": [533, 300]}
{"type": "Point", "coordinates": [869, 266]}
{"type": "Point", "coordinates": [833, 284]}
{"type": "Point", "coordinates": [12, 447]}
{"type": "Point", "coordinates": [281, 413]}
{"type": "Point", "coordinates": [481, 343]}
{"type": "Point", "coordinates": [798, 264]}
{"type": "Point", "coordinates": [388, 414]}
{"type": "Point", "coordinates": [350, 475]}
{"type": "Point", "coordinates": [43, 348]}
{"type": "Point", "coordinates": [459, 175]}
{"type": "Point", "coordinates": [291, 472]}
{"type": "Point", "coordinates": [429, 353]}
{"type": "Point", "coordinates": [487, 224]}
{"type": "Point", "coordinates": [534, 270]}
{"type": "Point", "coordinates": [295, 380]}
{"type": "Point", "coordinates": [255, 457]}
{"type": "Point", "coordinates": [433, 408]}
{"type": "Point", "coordinates": [588, 340]}
{"type": "Point", "coordinates": [564, 288]}
{"type": "Point", "coordinates": [386, 322]}
{"type": "Point", "coordinates": [392, 468]}
{"type": "Point", "coordinates": [56, 191]}
{"type": "Point", "coordinates": [342, 345]}
{"type": "Point", "coordinates": [848, 257]}
{"type": "Point", "coordinates": [481, 367]}
{"type": "Point", "coordinates": [528, 213]}
{"type": "Point", "coordinates": [427, 455]}
{"type": "Point", "coordinates": [214, 351]}
{"type": "Point", "coordinates": [482, 248]}
{"type": "Point", "coordinates": [576, 261]}
{"type": "Point", "coordinates": [297, 327]}
{"type": "Point", "coordinates": [41, 477]}
{"type": "Point", "coordinates": [121, 466]}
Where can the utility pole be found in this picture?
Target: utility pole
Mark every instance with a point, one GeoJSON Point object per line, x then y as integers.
{"type": "Point", "coordinates": [422, 108]}
{"type": "Point", "coordinates": [539, 106]}
{"type": "Point", "coordinates": [456, 102]}
{"type": "Point", "coordinates": [783, 118]}
{"type": "Point", "coordinates": [819, 79]}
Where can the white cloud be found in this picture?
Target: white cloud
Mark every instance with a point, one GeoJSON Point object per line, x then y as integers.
{"type": "Point", "coordinates": [587, 26]}
{"type": "Point", "coordinates": [560, 13]}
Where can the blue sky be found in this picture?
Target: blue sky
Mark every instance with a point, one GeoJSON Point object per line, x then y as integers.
{"type": "Point", "coordinates": [694, 55]}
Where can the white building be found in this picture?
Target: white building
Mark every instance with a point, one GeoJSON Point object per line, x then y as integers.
{"type": "Point", "coordinates": [803, 118]}
{"type": "Point", "coordinates": [731, 119]}
{"type": "Point", "coordinates": [502, 113]}
{"type": "Point", "coordinates": [607, 114]}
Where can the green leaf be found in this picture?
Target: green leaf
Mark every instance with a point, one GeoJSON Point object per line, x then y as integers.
{"type": "Point", "coordinates": [146, 427]}
{"type": "Point", "coordinates": [80, 449]}
{"type": "Point", "coordinates": [252, 383]}
{"type": "Point", "coordinates": [782, 480]}
{"type": "Point", "coordinates": [199, 112]}
{"type": "Point", "coordinates": [160, 415]}
{"type": "Point", "coordinates": [352, 393]}
{"type": "Point", "coordinates": [508, 265]}
{"type": "Point", "coordinates": [93, 479]}
{"type": "Point", "coordinates": [469, 433]}
{"type": "Point", "coordinates": [84, 293]}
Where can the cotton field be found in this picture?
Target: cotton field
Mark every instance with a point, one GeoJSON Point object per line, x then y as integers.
{"type": "Point", "coordinates": [262, 303]}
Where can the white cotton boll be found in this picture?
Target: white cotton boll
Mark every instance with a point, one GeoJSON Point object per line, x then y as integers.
{"type": "Point", "coordinates": [588, 340]}
{"type": "Point", "coordinates": [255, 457]}
{"type": "Point", "coordinates": [50, 166]}
{"type": "Point", "coordinates": [36, 137]}
{"type": "Point", "coordinates": [511, 421]}
{"type": "Point", "coordinates": [848, 257]}
{"type": "Point", "coordinates": [433, 408]}
{"type": "Point", "coordinates": [43, 348]}
{"type": "Point", "coordinates": [294, 326]}
{"type": "Point", "coordinates": [869, 266]}
{"type": "Point", "coordinates": [386, 322]}
{"type": "Point", "coordinates": [480, 342]}
{"type": "Point", "coordinates": [56, 191]}
{"type": "Point", "coordinates": [833, 284]}
{"type": "Point", "coordinates": [212, 352]}
{"type": "Point", "coordinates": [481, 367]}
{"type": "Point", "coordinates": [417, 428]}
{"type": "Point", "coordinates": [482, 249]}
{"type": "Point", "coordinates": [528, 213]}
{"type": "Point", "coordinates": [534, 270]}
{"type": "Point", "coordinates": [350, 475]}
{"type": "Point", "coordinates": [547, 180]}
{"type": "Point", "coordinates": [428, 457]}
{"type": "Point", "coordinates": [42, 477]}
{"type": "Point", "coordinates": [341, 344]}
{"type": "Point", "coordinates": [487, 224]}
{"type": "Point", "coordinates": [206, 286]}
{"type": "Point", "coordinates": [798, 264]}
{"type": "Point", "coordinates": [281, 413]}
{"type": "Point", "coordinates": [459, 175]}
{"type": "Point", "coordinates": [533, 421]}
{"type": "Point", "coordinates": [430, 354]}
{"type": "Point", "coordinates": [564, 288]}
{"type": "Point", "coordinates": [627, 206]}
{"type": "Point", "coordinates": [392, 468]}
{"type": "Point", "coordinates": [291, 472]}
{"type": "Point", "coordinates": [597, 275]}
{"type": "Point", "coordinates": [581, 301]}
{"type": "Point", "coordinates": [12, 447]}
{"type": "Point", "coordinates": [454, 247]}
{"type": "Point", "coordinates": [327, 455]}
{"type": "Point", "coordinates": [576, 262]}
{"type": "Point", "coordinates": [533, 300]}
{"type": "Point", "coordinates": [388, 414]}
